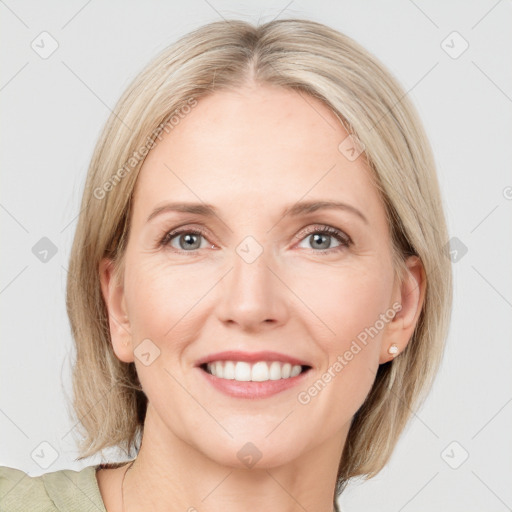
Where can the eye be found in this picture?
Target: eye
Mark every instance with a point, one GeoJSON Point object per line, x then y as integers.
{"type": "Point", "coordinates": [321, 239]}
{"type": "Point", "coordinates": [187, 240]}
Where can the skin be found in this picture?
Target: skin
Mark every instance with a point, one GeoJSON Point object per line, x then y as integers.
{"type": "Point", "coordinates": [251, 153]}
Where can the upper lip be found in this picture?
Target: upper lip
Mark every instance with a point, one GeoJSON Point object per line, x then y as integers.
{"type": "Point", "coordinates": [237, 355]}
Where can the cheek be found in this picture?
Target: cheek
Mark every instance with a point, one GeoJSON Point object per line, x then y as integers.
{"type": "Point", "coordinates": [158, 298]}
{"type": "Point", "coordinates": [160, 303]}
{"type": "Point", "coordinates": [344, 301]}
{"type": "Point", "coordinates": [332, 305]}
{"type": "Point", "coordinates": [337, 304]}
{"type": "Point", "coordinates": [352, 309]}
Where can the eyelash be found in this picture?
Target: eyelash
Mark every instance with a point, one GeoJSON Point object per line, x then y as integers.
{"type": "Point", "coordinates": [345, 240]}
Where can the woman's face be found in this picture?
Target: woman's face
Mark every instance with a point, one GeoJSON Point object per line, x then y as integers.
{"type": "Point", "coordinates": [260, 277]}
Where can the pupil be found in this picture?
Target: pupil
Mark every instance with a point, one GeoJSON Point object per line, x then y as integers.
{"type": "Point", "coordinates": [325, 244]}
{"type": "Point", "coordinates": [189, 240]}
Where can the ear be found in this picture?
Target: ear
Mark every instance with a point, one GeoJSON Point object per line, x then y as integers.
{"type": "Point", "coordinates": [410, 294]}
{"type": "Point", "coordinates": [113, 294]}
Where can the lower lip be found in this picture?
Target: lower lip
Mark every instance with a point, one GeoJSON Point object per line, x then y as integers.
{"type": "Point", "coordinates": [252, 389]}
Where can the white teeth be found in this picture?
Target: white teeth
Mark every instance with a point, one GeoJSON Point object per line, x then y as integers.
{"type": "Point", "coordinates": [275, 370]}
{"type": "Point", "coordinates": [257, 372]}
{"type": "Point", "coordinates": [295, 371]}
{"type": "Point", "coordinates": [242, 371]}
{"type": "Point", "coordinates": [229, 370]}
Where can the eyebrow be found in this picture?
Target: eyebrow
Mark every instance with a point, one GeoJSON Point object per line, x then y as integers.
{"type": "Point", "coordinates": [301, 208]}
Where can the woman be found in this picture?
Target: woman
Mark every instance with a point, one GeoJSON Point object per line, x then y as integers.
{"type": "Point", "coordinates": [258, 290]}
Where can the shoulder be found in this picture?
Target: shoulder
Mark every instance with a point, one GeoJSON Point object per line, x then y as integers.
{"type": "Point", "coordinates": [57, 491]}
{"type": "Point", "coordinates": [19, 492]}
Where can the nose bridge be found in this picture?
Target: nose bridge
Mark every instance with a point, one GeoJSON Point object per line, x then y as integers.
{"type": "Point", "coordinates": [252, 295]}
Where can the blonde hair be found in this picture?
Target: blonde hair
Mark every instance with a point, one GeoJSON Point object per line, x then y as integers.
{"type": "Point", "coordinates": [312, 59]}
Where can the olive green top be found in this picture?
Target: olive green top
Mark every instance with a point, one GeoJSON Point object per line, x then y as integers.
{"type": "Point", "coordinates": [60, 491]}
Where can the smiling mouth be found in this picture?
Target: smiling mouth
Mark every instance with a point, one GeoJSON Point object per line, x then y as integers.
{"type": "Point", "coordinates": [259, 371]}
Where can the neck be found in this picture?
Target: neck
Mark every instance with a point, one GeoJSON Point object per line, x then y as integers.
{"type": "Point", "coordinates": [172, 475]}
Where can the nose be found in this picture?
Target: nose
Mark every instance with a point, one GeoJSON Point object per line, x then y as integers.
{"type": "Point", "coordinates": [253, 295]}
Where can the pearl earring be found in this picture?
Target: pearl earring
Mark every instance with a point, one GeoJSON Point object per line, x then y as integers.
{"type": "Point", "coordinates": [393, 349]}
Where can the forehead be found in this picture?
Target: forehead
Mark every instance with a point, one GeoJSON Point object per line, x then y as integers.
{"type": "Point", "coordinates": [260, 147]}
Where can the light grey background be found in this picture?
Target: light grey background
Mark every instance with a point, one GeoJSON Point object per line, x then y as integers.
{"type": "Point", "coordinates": [52, 112]}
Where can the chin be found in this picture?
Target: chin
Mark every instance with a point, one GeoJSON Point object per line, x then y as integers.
{"type": "Point", "coordinates": [253, 451]}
